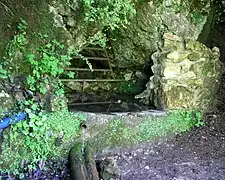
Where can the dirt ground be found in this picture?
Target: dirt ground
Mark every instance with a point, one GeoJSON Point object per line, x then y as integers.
{"type": "Point", "coordinates": [196, 155]}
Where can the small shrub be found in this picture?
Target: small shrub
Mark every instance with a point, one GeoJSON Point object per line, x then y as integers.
{"type": "Point", "coordinates": [110, 13]}
{"type": "Point", "coordinates": [107, 16]}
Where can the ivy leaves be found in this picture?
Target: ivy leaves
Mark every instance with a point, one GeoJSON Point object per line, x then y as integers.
{"type": "Point", "coordinates": [109, 13]}
{"type": "Point", "coordinates": [3, 72]}
{"type": "Point", "coordinates": [46, 66]}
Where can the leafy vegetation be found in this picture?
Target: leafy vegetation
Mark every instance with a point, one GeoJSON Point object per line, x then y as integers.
{"type": "Point", "coordinates": [111, 14]}
{"type": "Point", "coordinates": [46, 63]}
{"type": "Point", "coordinates": [41, 137]}
{"type": "Point", "coordinates": [43, 65]}
{"type": "Point", "coordinates": [3, 73]}
{"type": "Point", "coordinates": [107, 16]}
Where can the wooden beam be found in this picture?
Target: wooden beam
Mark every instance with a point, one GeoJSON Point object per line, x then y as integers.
{"type": "Point", "coordinates": [87, 69]}
{"type": "Point", "coordinates": [92, 80]}
{"type": "Point", "coordinates": [94, 48]}
{"type": "Point", "coordinates": [93, 58]}
{"type": "Point", "coordinates": [90, 103]}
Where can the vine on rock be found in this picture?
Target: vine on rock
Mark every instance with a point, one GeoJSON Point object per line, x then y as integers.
{"type": "Point", "coordinates": [107, 16]}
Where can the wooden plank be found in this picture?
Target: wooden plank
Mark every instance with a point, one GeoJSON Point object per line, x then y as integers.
{"type": "Point", "coordinates": [110, 64]}
{"type": "Point", "coordinates": [90, 103]}
{"type": "Point", "coordinates": [91, 80]}
{"type": "Point", "coordinates": [87, 69]}
{"type": "Point", "coordinates": [94, 48]}
{"type": "Point", "coordinates": [93, 58]}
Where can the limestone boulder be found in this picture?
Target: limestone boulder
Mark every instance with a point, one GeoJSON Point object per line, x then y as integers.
{"type": "Point", "coordinates": [190, 78]}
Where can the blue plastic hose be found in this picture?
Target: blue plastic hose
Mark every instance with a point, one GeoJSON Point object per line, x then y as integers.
{"type": "Point", "coordinates": [4, 123]}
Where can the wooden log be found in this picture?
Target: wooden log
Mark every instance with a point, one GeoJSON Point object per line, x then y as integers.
{"type": "Point", "coordinates": [82, 165]}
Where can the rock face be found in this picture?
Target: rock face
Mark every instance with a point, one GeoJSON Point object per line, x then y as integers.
{"type": "Point", "coordinates": [108, 169]}
{"type": "Point", "coordinates": [193, 79]}
{"type": "Point", "coordinates": [134, 44]}
{"type": "Point", "coordinates": [186, 78]}
{"type": "Point", "coordinates": [69, 17]}
{"type": "Point", "coordinates": [6, 102]}
{"type": "Point", "coordinates": [64, 20]}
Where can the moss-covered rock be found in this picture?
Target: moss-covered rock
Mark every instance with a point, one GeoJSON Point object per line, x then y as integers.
{"type": "Point", "coordinates": [190, 78]}
{"type": "Point", "coordinates": [35, 13]}
{"type": "Point", "coordinates": [134, 44]}
{"type": "Point", "coordinates": [82, 163]}
{"type": "Point", "coordinates": [184, 78]}
{"type": "Point", "coordinates": [109, 169]}
{"type": "Point", "coordinates": [122, 130]}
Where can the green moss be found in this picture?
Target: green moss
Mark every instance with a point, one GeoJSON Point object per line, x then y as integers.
{"type": "Point", "coordinates": [76, 152]}
{"type": "Point", "coordinates": [195, 82]}
{"type": "Point", "coordinates": [37, 15]}
{"type": "Point", "coordinates": [208, 69]}
{"type": "Point", "coordinates": [128, 87]}
{"type": "Point", "coordinates": [82, 164]}
{"type": "Point", "coordinates": [119, 134]}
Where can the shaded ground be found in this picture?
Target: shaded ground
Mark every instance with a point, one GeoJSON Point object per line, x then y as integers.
{"type": "Point", "coordinates": [197, 155]}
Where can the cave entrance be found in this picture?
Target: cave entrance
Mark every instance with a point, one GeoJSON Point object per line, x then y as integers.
{"type": "Point", "coordinates": [97, 86]}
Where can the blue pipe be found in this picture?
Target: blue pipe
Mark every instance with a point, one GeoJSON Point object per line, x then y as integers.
{"type": "Point", "coordinates": [4, 123]}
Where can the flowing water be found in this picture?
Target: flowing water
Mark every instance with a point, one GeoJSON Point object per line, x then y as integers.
{"type": "Point", "coordinates": [83, 139]}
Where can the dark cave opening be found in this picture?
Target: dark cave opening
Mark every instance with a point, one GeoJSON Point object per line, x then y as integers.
{"type": "Point", "coordinates": [109, 101]}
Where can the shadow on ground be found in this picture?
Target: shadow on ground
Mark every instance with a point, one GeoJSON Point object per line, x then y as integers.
{"type": "Point", "coordinates": [197, 155]}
